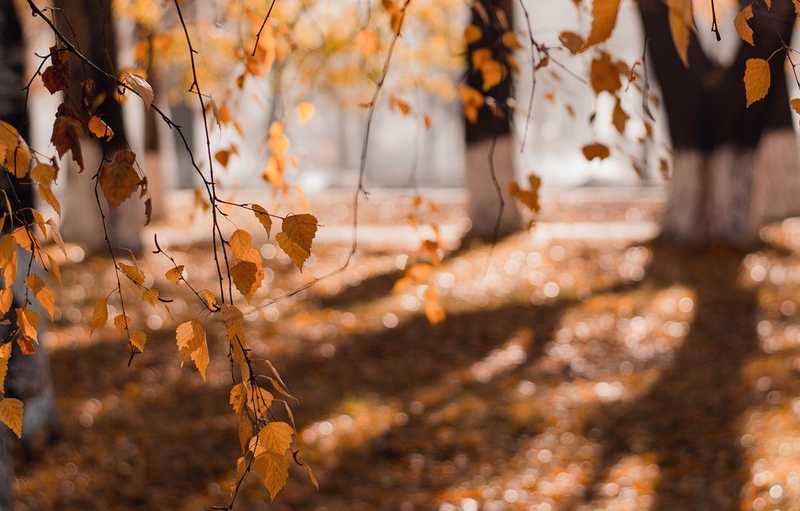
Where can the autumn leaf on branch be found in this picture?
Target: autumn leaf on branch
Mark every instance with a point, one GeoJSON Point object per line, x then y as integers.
{"type": "Point", "coordinates": [118, 178]}
{"type": "Point", "coordinates": [297, 233]}
{"type": "Point", "coordinates": [757, 80]}
{"type": "Point", "coordinates": [192, 345]}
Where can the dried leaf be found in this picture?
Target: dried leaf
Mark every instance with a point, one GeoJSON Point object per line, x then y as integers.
{"type": "Point", "coordinates": [263, 217]}
{"type": "Point", "coordinates": [11, 412]}
{"type": "Point", "coordinates": [5, 355]}
{"type": "Point", "coordinates": [742, 27]}
{"type": "Point", "coordinates": [174, 275]}
{"type": "Point", "coordinates": [756, 80]}
{"type": "Point", "coordinates": [191, 339]}
{"type": "Point", "coordinates": [528, 197]}
{"type": "Point", "coordinates": [118, 178]}
{"type": "Point", "coordinates": [16, 157]}
{"type": "Point", "coordinates": [138, 339]}
{"type": "Point", "coordinates": [140, 86]}
{"type": "Point", "coordinates": [100, 315]}
{"type": "Point", "coordinates": [297, 233]}
{"type": "Point", "coordinates": [132, 272]}
{"type": "Point", "coordinates": [99, 128]}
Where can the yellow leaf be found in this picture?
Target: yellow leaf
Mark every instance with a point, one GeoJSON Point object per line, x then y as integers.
{"type": "Point", "coordinates": [742, 27]}
{"type": "Point", "coordinates": [28, 323]}
{"type": "Point", "coordinates": [121, 323]}
{"type": "Point", "coordinates": [22, 237]}
{"type": "Point", "coordinates": [263, 217]}
{"type": "Point", "coordinates": [596, 150]}
{"type": "Point", "coordinates": [796, 103]}
{"type": "Point", "coordinates": [237, 397]}
{"type": "Point", "coordinates": [150, 296]}
{"type": "Point", "coordinates": [138, 339]}
{"type": "Point", "coordinates": [258, 399]}
{"type": "Point", "coordinates": [5, 356]}
{"type": "Point", "coordinates": [275, 437]}
{"type": "Point", "coordinates": [174, 275]}
{"type": "Point", "coordinates": [6, 299]}
{"type": "Point", "coordinates": [118, 179]}
{"type": "Point", "coordinates": [100, 315]}
{"type": "Point", "coordinates": [297, 233]}
{"type": "Point", "coordinates": [604, 19]}
{"type": "Point", "coordinates": [245, 431]}
{"type": "Point", "coordinates": [11, 411]}
{"type": "Point", "coordinates": [43, 174]}
{"type": "Point", "coordinates": [47, 194]}
{"type": "Point", "coordinates": [17, 157]}
{"type": "Point", "coordinates": [273, 470]}
{"type": "Point", "coordinates": [305, 111]}
{"type": "Point", "coordinates": [242, 246]}
{"type": "Point", "coordinates": [247, 277]}
{"type": "Point", "coordinates": [210, 299]}
{"type": "Point", "coordinates": [99, 128]}
{"type": "Point", "coordinates": [43, 294]}
{"type": "Point", "coordinates": [132, 272]}
{"type": "Point", "coordinates": [756, 80]}
{"type": "Point", "coordinates": [191, 339]}
{"type": "Point", "coordinates": [680, 22]}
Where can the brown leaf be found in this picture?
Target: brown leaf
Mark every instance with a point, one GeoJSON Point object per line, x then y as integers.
{"type": "Point", "coordinates": [67, 131]}
{"type": "Point", "coordinates": [99, 316]}
{"type": "Point", "coordinates": [192, 345]}
{"type": "Point", "coordinates": [118, 178]}
{"type": "Point", "coordinates": [297, 233]}
{"type": "Point", "coordinates": [742, 27]}
{"type": "Point", "coordinates": [11, 412]}
{"type": "Point", "coordinates": [756, 80]}
{"type": "Point", "coordinates": [99, 128]}
{"type": "Point", "coordinates": [263, 217]}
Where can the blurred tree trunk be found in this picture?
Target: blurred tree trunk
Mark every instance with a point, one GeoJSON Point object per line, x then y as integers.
{"type": "Point", "coordinates": [735, 168]}
{"type": "Point", "coordinates": [90, 25]}
{"type": "Point", "coordinates": [489, 136]}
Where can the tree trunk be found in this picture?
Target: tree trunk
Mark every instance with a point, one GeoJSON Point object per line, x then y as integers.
{"type": "Point", "coordinates": [91, 25]}
{"type": "Point", "coordinates": [490, 153]}
{"type": "Point", "coordinates": [735, 168]}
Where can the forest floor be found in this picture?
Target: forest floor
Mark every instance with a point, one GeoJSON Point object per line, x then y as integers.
{"type": "Point", "coordinates": [569, 374]}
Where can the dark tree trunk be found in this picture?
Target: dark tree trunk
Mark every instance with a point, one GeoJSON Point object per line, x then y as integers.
{"type": "Point", "coordinates": [735, 168]}
{"type": "Point", "coordinates": [489, 137]}
{"type": "Point", "coordinates": [90, 26]}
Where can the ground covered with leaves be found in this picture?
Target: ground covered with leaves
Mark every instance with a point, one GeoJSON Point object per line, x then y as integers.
{"type": "Point", "coordinates": [568, 374]}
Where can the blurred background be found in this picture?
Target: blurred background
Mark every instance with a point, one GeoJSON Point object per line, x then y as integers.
{"type": "Point", "coordinates": [579, 365]}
